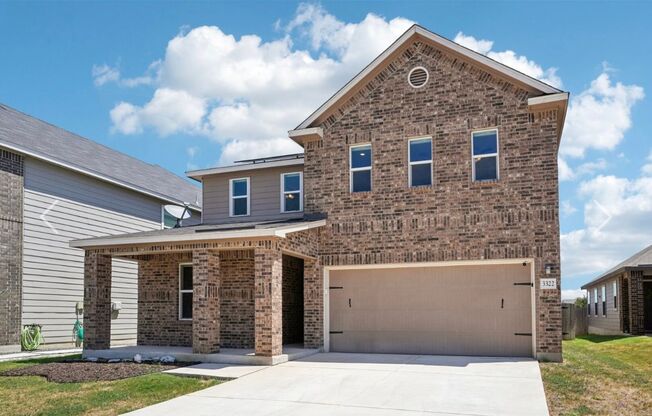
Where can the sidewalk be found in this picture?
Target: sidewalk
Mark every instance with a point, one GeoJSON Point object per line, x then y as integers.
{"type": "Point", "coordinates": [28, 355]}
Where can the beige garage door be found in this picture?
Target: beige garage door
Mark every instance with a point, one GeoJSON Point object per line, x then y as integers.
{"type": "Point", "coordinates": [458, 310]}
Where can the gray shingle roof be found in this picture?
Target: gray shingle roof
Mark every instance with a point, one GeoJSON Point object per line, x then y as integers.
{"type": "Point", "coordinates": [641, 259]}
{"type": "Point", "coordinates": [36, 138]}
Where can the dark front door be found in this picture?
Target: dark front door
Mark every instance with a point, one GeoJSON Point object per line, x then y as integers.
{"type": "Point", "coordinates": [647, 291]}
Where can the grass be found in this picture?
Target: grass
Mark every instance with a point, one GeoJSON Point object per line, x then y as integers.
{"type": "Point", "coordinates": [36, 396]}
{"type": "Point", "coordinates": [601, 375]}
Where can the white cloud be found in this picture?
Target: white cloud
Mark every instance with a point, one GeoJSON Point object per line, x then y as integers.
{"type": "Point", "coordinates": [617, 214]}
{"type": "Point", "coordinates": [240, 90]}
{"type": "Point", "coordinates": [572, 294]}
{"type": "Point", "coordinates": [599, 116]}
{"type": "Point", "coordinates": [510, 58]}
{"type": "Point", "coordinates": [567, 208]}
{"type": "Point", "coordinates": [192, 151]}
{"type": "Point", "coordinates": [647, 168]}
{"type": "Point", "coordinates": [104, 74]}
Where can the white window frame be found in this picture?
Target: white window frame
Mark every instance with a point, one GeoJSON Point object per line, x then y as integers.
{"type": "Point", "coordinates": [615, 290]}
{"type": "Point", "coordinates": [231, 197]}
{"type": "Point", "coordinates": [420, 162]}
{"type": "Point", "coordinates": [595, 301]}
{"type": "Point", "coordinates": [181, 292]}
{"type": "Point", "coordinates": [497, 155]}
{"type": "Point", "coordinates": [284, 192]}
{"type": "Point", "coordinates": [604, 300]}
{"type": "Point", "coordinates": [352, 169]}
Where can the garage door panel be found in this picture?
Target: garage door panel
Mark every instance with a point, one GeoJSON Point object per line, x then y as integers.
{"type": "Point", "coordinates": [468, 310]}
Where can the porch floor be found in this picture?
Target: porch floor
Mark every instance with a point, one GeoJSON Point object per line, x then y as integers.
{"type": "Point", "coordinates": [242, 356]}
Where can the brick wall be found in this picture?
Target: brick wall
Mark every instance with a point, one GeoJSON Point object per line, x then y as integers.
{"type": "Point", "coordinates": [455, 219]}
{"type": "Point", "coordinates": [636, 303]}
{"type": "Point", "coordinates": [237, 300]}
{"type": "Point", "coordinates": [158, 301]}
{"type": "Point", "coordinates": [11, 243]}
{"type": "Point", "coordinates": [292, 289]}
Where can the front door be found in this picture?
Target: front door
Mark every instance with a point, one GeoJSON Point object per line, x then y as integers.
{"type": "Point", "coordinates": [647, 294]}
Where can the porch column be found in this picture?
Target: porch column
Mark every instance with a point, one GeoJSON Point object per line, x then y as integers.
{"type": "Point", "coordinates": [313, 308]}
{"type": "Point", "coordinates": [97, 301]}
{"type": "Point", "coordinates": [636, 303]}
{"type": "Point", "coordinates": [268, 270]}
{"type": "Point", "coordinates": [206, 301]}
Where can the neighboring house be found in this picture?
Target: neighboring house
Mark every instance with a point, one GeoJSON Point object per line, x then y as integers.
{"type": "Point", "coordinates": [56, 186]}
{"type": "Point", "coordinates": [620, 300]}
{"type": "Point", "coordinates": [422, 218]}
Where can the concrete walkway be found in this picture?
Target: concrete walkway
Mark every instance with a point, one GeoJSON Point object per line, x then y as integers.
{"type": "Point", "coordinates": [218, 371]}
{"type": "Point", "coordinates": [29, 355]}
{"type": "Point", "coordinates": [375, 385]}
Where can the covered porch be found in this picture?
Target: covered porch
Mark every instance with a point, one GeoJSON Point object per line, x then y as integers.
{"type": "Point", "coordinates": [240, 294]}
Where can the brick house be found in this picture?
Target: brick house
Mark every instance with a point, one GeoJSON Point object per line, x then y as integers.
{"type": "Point", "coordinates": [620, 299]}
{"type": "Point", "coordinates": [421, 218]}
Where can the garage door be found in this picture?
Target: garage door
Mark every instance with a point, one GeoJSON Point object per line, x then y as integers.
{"type": "Point", "coordinates": [458, 310]}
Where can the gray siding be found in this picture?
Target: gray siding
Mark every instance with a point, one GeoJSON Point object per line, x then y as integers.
{"type": "Point", "coordinates": [265, 195]}
{"type": "Point", "coordinates": [53, 272]}
{"type": "Point", "coordinates": [609, 324]}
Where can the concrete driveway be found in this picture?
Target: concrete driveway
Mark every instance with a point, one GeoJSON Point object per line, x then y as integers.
{"type": "Point", "coordinates": [374, 384]}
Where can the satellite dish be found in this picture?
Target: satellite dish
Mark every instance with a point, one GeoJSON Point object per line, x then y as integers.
{"type": "Point", "coordinates": [178, 212]}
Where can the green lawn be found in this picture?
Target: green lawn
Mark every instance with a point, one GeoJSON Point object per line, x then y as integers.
{"type": "Point", "coordinates": [601, 375]}
{"type": "Point", "coordinates": [36, 396]}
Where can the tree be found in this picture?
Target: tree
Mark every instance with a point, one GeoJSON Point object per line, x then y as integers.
{"type": "Point", "coordinates": [580, 302]}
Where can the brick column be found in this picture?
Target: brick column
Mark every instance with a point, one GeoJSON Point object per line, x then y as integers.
{"type": "Point", "coordinates": [636, 303]}
{"type": "Point", "coordinates": [268, 271]}
{"type": "Point", "coordinates": [313, 309]}
{"type": "Point", "coordinates": [97, 301]}
{"type": "Point", "coordinates": [205, 302]}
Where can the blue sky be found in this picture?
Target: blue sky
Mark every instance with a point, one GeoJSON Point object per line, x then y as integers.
{"type": "Point", "coordinates": [177, 84]}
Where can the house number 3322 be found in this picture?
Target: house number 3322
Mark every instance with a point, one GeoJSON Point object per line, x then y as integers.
{"type": "Point", "coordinates": [548, 283]}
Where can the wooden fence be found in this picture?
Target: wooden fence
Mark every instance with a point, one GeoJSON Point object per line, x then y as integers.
{"type": "Point", "coordinates": [574, 320]}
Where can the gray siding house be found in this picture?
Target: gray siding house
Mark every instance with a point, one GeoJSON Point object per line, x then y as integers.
{"type": "Point", "coordinates": [620, 300]}
{"type": "Point", "coordinates": [55, 187]}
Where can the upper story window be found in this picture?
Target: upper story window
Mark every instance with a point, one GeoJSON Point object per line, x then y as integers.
{"type": "Point", "coordinates": [604, 300]}
{"type": "Point", "coordinates": [615, 289]}
{"type": "Point", "coordinates": [420, 160]}
{"type": "Point", "coordinates": [185, 291]}
{"type": "Point", "coordinates": [291, 192]}
{"type": "Point", "coordinates": [485, 155]}
{"type": "Point", "coordinates": [239, 197]}
{"type": "Point", "coordinates": [360, 163]}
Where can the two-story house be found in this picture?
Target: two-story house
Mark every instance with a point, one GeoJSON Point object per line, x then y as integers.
{"type": "Point", "coordinates": [421, 218]}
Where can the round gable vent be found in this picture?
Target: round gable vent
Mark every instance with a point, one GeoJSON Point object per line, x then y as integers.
{"type": "Point", "coordinates": [418, 77]}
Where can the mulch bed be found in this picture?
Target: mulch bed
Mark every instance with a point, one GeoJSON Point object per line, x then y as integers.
{"type": "Point", "coordinates": [77, 372]}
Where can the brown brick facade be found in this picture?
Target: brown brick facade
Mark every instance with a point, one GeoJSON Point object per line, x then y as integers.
{"type": "Point", "coordinates": [636, 305]}
{"type": "Point", "coordinates": [11, 243]}
{"type": "Point", "coordinates": [97, 301]}
{"type": "Point", "coordinates": [268, 293]}
{"type": "Point", "coordinates": [455, 218]}
{"type": "Point", "coordinates": [237, 299]}
{"type": "Point", "coordinates": [206, 301]}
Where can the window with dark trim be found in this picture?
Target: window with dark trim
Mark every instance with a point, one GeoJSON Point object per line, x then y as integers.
{"type": "Point", "coordinates": [615, 289]}
{"type": "Point", "coordinates": [595, 301]}
{"type": "Point", "coordinates": [185, 291]}
{"type": "Point", "coordinates": [588, 302]}
{"type": "Point", "coordinates": [604, 300]}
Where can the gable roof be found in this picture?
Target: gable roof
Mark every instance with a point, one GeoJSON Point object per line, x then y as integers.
{"type": "Point", "coordinates": [642, 259]}
{"type": "Point", "coordinates": [32, 137]}
{"type": "Point", "coordinates": [535, 86]}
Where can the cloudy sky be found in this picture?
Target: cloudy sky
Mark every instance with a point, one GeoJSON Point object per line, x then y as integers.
{"type": "Point", "coordinates": [193, 85]}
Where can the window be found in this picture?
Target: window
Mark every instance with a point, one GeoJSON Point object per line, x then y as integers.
{"type": "Point", "coordinates": [185, 291]}
{"type": "Point", "coordinates": [167, 219]}
{"type": "Point", "coordinates": [604, 300]}
{"type": "Point", "coordinates": [615, 288]}
{"type": "Point", "coordinates": [360, 162]}
{"type": "Point", "coordinates": [420, 159]}
{"type": "Point", "coordinates": [588, 301]}
{"type": "Point", "coordinates": [239, 201]}
{"type": "Point", "coordinates": [291, 192]}
{"type": "Point", "coordinates": [484, 146]}
{"type": "Point", "coordinates": [595, 302]}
